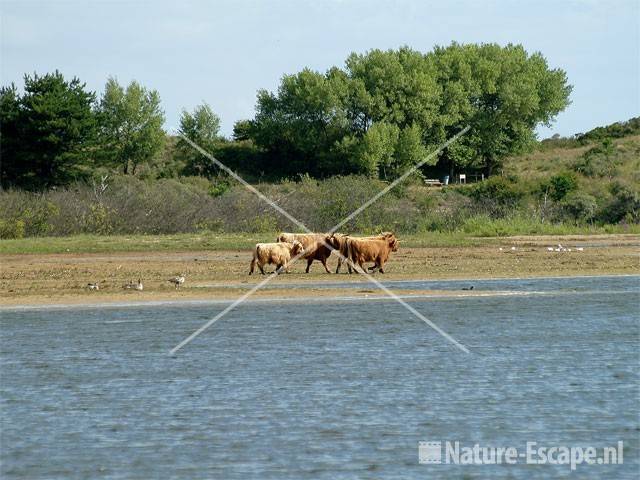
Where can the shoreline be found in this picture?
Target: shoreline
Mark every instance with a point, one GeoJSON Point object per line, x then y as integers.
{"type": "Point", "coordinates": [220, 274]}
{"type": "Point", "coordinates": [371, 294]}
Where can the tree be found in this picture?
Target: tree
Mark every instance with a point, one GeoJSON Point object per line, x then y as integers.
{"type": "Point", "coordinates": [47, 132]}
{"type": "Point", "coordinates": [130, 125]}
{"type": "Point", "coordinates": [10, 136]}
{"type": "Point", "coordinates": [319, 123]}
{"type": "Point", "coordinates": [201, 127]}
{"type": "Point", "coordinates": [502, 93]}
{"type": "Point", "coordinates": [300, 125]}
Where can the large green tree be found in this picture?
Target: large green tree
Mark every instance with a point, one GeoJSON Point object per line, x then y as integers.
{"type": "Point", "coordinates": [501, 93]}
{"type": "Point", "coordinates": [386, 109]}
{"type": "Point", "coordinates": [47, 133]}
{"type": "Point", "coordinates": [131, 121]}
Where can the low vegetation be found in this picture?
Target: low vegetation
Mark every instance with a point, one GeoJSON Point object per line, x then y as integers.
{"type": "Point", "coordinates": [545, 192]}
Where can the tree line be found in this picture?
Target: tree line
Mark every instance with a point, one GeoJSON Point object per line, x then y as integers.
{"type": "Point", "coordinates": [380, 113]}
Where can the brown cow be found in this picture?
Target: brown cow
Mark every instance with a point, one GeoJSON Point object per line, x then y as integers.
{"type": "Point", "coordinates": [315, 246]}
{"type": "Point", "coordinates": [375, 250]}
{"type": "Point", "coordinates": [279, 254]}
{"type": "Point", "coordinates": [340, 242]}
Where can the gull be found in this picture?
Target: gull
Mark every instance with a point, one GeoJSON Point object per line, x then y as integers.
{"type": "Point", "coordinates": [579, 249]}
{"type": "Point", "coordinates": [134, 286]}
{"type": "Point", "coordinates": [178, 280]}
{"type": "Point", "coordinates": [550, 249]}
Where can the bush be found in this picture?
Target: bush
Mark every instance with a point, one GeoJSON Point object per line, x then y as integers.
{"type": "Point", "coordinates": [579, 206]}
{"type": "Point", "coordinates": [559, 186]}
{"type": "Point", "coordinates": [599, 161]}
{"type": "Point", "coordinates": [496, 196]}
{"type": "Point", "coordinates": [624, 206]}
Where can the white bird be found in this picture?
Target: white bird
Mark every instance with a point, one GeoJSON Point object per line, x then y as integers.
{"type": "Point", "coordinates": [579, 249]}
{"type": "Point", "coordinates": [178, 280]}
{"type": "Point", "coordinates": [93, 286]}
{"type": "Point", "coordinates": [500, 249]}
{"type": "Point", "coordinates": [134, 286]}
{"type": "Point", "coordinates": [513, 248]}
{"type": "Point", "coordinates": [550, 249]}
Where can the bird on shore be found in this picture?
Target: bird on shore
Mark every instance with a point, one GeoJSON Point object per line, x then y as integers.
{"type": "Point", "coordinates": [134, 286]}
{"type": "Point", "coordinates": [93, 286]}
{"type": "Point", "coordinates": [178, 280]}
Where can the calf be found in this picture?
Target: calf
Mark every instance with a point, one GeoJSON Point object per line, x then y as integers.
{"type": "Point", "coordinates": [279, 254]}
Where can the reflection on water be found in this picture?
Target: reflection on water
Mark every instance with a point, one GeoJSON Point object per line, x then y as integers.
{"type": "Point", "coordinates": [322, 390]}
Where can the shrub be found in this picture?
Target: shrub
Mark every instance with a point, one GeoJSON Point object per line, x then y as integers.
{"type": "Point", "coordinates": [579, 206]}
{"type": "Point", "coordinates": [599, 161]}
{"type": "Point", "coordinates": [559, 186]}
{"type": "Point", "coordinates": [496, 196]}
{"type": "Point", "coordinates": [624, 206]}
{"type": "Point", "coordinates": [11, 229]}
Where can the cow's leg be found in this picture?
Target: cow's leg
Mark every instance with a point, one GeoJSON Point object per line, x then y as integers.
{"type": "Point", "coordinates": [253, 265]}
{"type": "Point", "coordinates": [261, 267]}
{"type": "Point", "coordinates": [309, 262]}
{"type": "Point", "coordinates": [324, 264]}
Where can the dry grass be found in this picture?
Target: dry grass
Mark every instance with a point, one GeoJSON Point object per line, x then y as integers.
{"type": "Point", "coordinates": [62, 278]}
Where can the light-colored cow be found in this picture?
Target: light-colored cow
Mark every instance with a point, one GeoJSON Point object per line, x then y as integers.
{"type": "Point", "coordinates": [279, 254]}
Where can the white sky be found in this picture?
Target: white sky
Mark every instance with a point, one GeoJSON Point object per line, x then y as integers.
{"type": "Point", "coordinates": [222, 52]}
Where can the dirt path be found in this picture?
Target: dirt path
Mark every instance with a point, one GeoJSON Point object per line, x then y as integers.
{"type": "Point", "coordinates": [62, 278]}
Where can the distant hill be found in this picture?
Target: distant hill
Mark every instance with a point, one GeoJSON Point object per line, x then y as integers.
{"type": "Point", "coordinates": [598, 158]}
{"type": "Point", "coordinates": [615, 130]}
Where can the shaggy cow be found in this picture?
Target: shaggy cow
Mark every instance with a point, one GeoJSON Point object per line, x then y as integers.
{"type": "Point", "coordinates": [375, 250]}
{"type": "Point", "coordinates": [340, 242]}
{"type": "Point", "coordinates": [315, 246]}
{"type": "Point", "coordinates": [279, 254]}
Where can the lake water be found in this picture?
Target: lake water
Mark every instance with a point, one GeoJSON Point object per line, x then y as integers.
{"type": "Point", "coordinates": [324, 389]}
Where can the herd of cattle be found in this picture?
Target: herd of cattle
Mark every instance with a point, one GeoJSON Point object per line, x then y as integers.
{"type": "Point", "coordinates": [319, 246]}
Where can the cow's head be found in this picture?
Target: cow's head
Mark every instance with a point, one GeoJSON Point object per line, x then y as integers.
{"type": "Point", "coordinates": [393, 243]}
{"type": "Point", "coordinates": [297, 248]}
{"type": "Point", "coordinates": [335, 240]}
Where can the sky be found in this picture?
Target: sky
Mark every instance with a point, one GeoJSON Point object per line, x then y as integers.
{"type": "Point", "coordinates": [223, 52]}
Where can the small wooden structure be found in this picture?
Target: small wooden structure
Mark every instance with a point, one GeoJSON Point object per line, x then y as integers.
{"type": "Point", "coordinates": [433, 182]}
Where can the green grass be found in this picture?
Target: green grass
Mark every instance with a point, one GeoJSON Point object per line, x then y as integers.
{"type": "Point", "coordinates": [187, 242]}
{"type": "Point", "coordinates": [489, 233]}
{"type": "Point", "coordinates": [131, 243]}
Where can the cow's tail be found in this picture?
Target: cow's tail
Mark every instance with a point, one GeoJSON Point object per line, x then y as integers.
{"type": "Point", "coordinates": [253, 261]}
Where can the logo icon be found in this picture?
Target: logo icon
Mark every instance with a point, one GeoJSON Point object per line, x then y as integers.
{"type": "Point", "coordinates": [430, 452]}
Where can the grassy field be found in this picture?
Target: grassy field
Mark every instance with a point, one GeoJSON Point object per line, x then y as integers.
{"type": "Point", "coordinates": [190, 242]}
{"type": "Point", "coordinates": [186, 242]}
{"type": "Point", "coordinates": [56, 271]}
